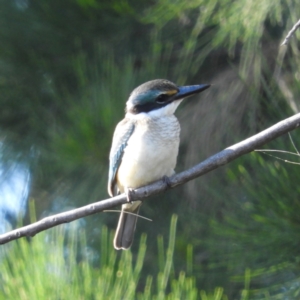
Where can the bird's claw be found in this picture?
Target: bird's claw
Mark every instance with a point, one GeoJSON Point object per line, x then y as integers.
{"type": "Point", "coordinates": [129, 194]}
{"type": "Point", "coordinates": [167, 181]}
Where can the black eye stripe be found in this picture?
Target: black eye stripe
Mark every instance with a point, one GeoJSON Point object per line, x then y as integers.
{"type": "Point", "coordinates": [144, 108]}
{"type": "Point", "coordinates": [162, 98]}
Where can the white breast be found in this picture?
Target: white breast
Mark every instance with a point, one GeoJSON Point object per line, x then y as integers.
{"type": "Point", "coordinates": [151, 152]}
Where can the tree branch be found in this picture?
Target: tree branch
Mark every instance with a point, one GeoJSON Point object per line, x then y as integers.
{"type": "Point", "coordinates": [204, 167]}
{"type": "Point", "coordinates": [291, 32]}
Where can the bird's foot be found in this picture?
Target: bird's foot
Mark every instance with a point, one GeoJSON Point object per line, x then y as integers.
{"type": "Point", "coordinates": [167, 181]}
{"type": "Point", "coordinates": [129, 194]}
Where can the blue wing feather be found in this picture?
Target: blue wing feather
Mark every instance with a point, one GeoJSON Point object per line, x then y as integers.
{"type": "Point", "coordinates": [122, 134]}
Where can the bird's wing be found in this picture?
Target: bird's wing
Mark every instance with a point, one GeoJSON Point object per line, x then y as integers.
{"type": "Point", "coordinates": [121, 136]}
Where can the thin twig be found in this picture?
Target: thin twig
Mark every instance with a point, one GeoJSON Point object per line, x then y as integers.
{"type": "Point", "coordinates": [204, 167]}
{"type": "Point", "coordinates": [128, 213]}
{"type": "Point", "coordinates": [279, 158]}
{"type": "Point", "coordinates": [291, 139]}
{"type": "Point", "coordinates": [278, 151]}
{"type": "Point", "coordinates": [265, 151]}
{"type": "Point", "coordinates": [291, 32]}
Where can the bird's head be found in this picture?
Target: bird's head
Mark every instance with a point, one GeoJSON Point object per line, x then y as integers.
{"type": "Point", "coordinates": [159, 96]}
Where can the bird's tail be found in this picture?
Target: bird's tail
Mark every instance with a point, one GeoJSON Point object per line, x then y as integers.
{"type": "Point", "coordinates": [126, 226]}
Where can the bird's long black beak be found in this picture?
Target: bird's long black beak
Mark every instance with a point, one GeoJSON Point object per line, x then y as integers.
{"type": "Point", "coordinates": [185, 91]}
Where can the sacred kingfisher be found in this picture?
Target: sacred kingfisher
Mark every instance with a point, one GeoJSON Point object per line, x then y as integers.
{"type": "Point", "coordinates": [145, 146]}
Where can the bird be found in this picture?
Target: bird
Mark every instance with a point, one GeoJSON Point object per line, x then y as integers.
{"type": "Point", "coordinates": [145, 146]}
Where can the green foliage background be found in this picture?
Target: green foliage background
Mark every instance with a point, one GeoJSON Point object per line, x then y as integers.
{"type": "Point", "coordinates": [66, 70]}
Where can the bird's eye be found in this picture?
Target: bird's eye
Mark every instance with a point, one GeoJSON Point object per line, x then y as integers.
{"type": "Point", "coordinates": [162, 98]}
